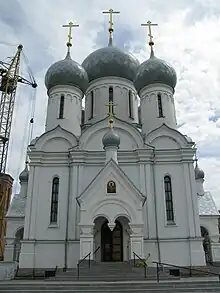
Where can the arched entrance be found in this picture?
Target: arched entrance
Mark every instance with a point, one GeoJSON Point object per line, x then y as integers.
{"type": "Point", "coordinates": [206, 244]}
{"type": "Point", "coordinates": [17, 244]}
{"type": "Point", "coordinates": [112, 242]}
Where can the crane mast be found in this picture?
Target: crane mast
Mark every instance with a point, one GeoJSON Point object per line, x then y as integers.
{"type": "Point", "coordinates": [9, 79]}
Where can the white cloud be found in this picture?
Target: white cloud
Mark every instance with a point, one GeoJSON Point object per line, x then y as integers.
{"type": "Point", "coordinates": [187, 37]}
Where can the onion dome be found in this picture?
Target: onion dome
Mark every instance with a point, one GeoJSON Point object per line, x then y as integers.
{"type": "Point", "coordinates": [66, 72]}
{"type": "Point", "coordinates": [199, 173]}
{"type": "Point", "coordinates": [23, 177]}
{"type": "Point", "coordinates": [110, 61]}
{"type": "Point", "coordinates": [111, 139]}
{"type": "Point", "coordinates": [155, 70]}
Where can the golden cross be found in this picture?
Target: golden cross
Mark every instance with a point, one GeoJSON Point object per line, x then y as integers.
{"type": "Point", "coordinates": [150, 24]}
{"type": "Point", "coordinates": [110, 106]}
{"type": "Point", "coordinates": [111, 12]}
{"type": "Point", "coordinates": [70, 25]}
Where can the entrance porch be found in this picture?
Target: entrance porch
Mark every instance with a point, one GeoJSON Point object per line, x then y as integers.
{"type": "Point", "coordinates": [114, 242]}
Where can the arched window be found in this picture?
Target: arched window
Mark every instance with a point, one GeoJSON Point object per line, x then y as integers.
{"type": "Point", "coordinates": [111, 187]}
{"type": "Point", "coordinates": [160, 106]}
{"type": "Point", "coordinates": [110, 97]}
{"type": "Point", "coordinates": [168, 199]}
{"type": "Point", "coordinates": [61, 111]}
{"type": "Point", "coordinates": [92, 105]}
{"type": "Point", "coordinates": [130, 104]}
{"type": "Point", "coordinates": [54, 201]}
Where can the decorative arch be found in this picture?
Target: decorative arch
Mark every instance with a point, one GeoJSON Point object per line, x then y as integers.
{"type": "Point", "coordinates": [206, 244]}
{"type": "Point", "coordinates": [112, 209]}
{"type": "Point", "coordinates": [167, 133]}
{"type": "Point", "coordinates": [67, 140]}
{"type": "Point", "coordinates": [92, 136]}
{"type": "Point", "coordinates": [19, 235]}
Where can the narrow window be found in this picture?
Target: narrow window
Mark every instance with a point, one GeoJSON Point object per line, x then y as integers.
{"type": "Point", "coordinates": [91, 105]}
{"type": "Point", "coordinates": [130, 104]}
{"type": "Point", "coordinates": [168, 199]}
{"type": "Point", "coordinates": [160, 106]}
{"type": "Point", "coordinates": [54, 201]}
{"type": "Point", "coordinates": [110, 98]}
{"type": "Point", "coordinates": [61, 107]}
{"type": "Point", "coordinates": [110, 94]}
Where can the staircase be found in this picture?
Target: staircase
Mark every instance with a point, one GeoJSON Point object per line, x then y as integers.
{"type": "Point", "coordinates": [110, 271]}
{"type": "Point", "coordinates": [111, 277]}
{"type": "Point", "coordinates": [105, 287]}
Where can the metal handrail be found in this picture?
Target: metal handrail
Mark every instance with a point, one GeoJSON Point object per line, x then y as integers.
{"type": "Point", "coordinates": [82, 260]}
{"type": "Point", "coordinates": [143, 261]}
{"type": "Point", "coordinates": [181, 267]}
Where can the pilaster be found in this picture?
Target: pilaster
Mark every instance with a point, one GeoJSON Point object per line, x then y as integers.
{"type": "Point", "coordinates": [86, 241]}
{"type": "Point", "coordinates": [137, 240]}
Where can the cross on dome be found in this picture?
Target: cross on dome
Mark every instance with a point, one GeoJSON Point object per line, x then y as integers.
{"type": "Point", "coordinates": [149, 24]}
{"type": "Point", "coordinates": [70, 25]}
{"type": "Point", "coordinates": [110, 12]}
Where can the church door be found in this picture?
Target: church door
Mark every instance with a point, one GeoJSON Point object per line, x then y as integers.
{"type": "Point", "coordinates": [112, 242]}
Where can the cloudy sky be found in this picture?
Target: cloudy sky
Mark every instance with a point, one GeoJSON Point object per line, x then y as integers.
{"type": "Point", "coordinates": [187, 36]}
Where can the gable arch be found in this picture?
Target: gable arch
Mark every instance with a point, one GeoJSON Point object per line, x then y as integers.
{"type": "Point", "coordinates": [165, 137]}
{"type": "Point", "coordinates": [46, 142]}
{"type": "Point", "coordinates": [130, 137]}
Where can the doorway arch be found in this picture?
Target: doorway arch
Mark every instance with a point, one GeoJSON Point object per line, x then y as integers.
{"type": "Point", "coordinates": [206, 244]}
{"type": "Point", "coordinates": [17, 244]}
{"type": "Point", "coordinates": [112, 242]}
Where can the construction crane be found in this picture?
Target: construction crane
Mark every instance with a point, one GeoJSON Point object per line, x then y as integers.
{"type": "Point", "coordinates": [9, 79]}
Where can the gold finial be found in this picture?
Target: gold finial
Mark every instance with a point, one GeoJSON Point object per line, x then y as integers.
{"type": "Point", "coordinates": [111, 113]}
{"type": "Point", "coordinates": [110, 12]}
{"type": "Point", "coordinates": [150, 24]}
{"type": "Point", "coordinates": [70, 25]}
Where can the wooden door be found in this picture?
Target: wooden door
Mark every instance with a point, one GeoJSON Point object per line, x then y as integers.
{"type": "Point", "coordinates": [117, 242]}
{"type": "Point", "coordinates": [106, 242]}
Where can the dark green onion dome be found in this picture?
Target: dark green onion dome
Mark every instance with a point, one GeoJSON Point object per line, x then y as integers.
{"type": "Point", "coordinates": [111, 138]}
{"type": "Point", "coordinates": [23, 177]}
{"type": "Point", "coordinates": [110, 61]}
{"type": "Point", "coordinates": [155, 70]}
{"type": "Point", "coordinates": [199, 173]}
{"type": "Point", "coordinates": [66, 72]}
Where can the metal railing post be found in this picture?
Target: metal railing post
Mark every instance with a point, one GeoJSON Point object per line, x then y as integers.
{"type": "Point", "coordinates": [134, 258]}
{"type": "Point", "coordinates": [77, 271]}
{"type": "Point", "coordinates": [158, 277]}
{"type": "Point", "coordinates": [145, 271]}
{"type": "Point", "coordinates": [190, 271]}
{"type": "Point", "coordinates": [89, 259]}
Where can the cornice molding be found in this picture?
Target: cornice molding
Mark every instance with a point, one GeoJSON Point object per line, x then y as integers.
{"type": "Point", "coordinates": [78, 157]}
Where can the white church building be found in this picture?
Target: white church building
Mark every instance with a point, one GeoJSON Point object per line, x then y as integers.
{"type": "Point", "coordinates": [116, 176]}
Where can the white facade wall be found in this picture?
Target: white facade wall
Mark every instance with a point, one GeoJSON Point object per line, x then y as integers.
{"type": "Point", "coordinates": [140, 196]}
{"type": "Point", "coordinates": [43, 236]}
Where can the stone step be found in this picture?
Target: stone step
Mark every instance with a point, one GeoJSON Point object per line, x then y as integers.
{"type": "Point", "coordinates": [114, 287]}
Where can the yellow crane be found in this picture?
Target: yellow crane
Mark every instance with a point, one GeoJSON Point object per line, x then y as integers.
{"type": "Point", "coordinates": [9, 79]}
